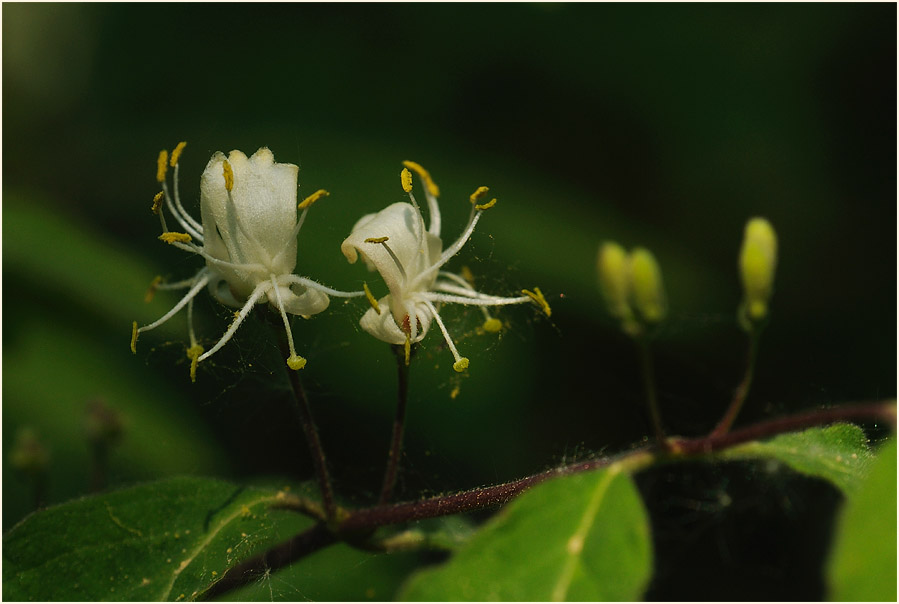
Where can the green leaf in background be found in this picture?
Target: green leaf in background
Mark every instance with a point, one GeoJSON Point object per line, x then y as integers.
{"type": "Point", "coordinates": [582, 537]}
{"type": "Point", "coordinates": [164, 540]}
{"type": "Point", "coordinates": [862, 566]}
{"type": "Point", "coordinates": [837, 453]}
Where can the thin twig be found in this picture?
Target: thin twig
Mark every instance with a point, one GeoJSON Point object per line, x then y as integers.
{"type": "Point", "coordinates": [396, 442]}
{"type": "Point", "coordinates": [493, 496]}
{"type": "Point", "coordinates": [649, 387]}
{"type": "Point", "coordinates": [358, 522]}
{"type": "Point", "coordinates": [304, 414]}
{"type": "Point", "coordinates": [742, 390]}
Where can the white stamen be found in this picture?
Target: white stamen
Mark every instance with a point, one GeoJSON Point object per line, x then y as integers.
{"type": "Point", "coordinates": [449, 252]}
{"type": "Point", "coordinates": [318, 286]}
{"type": "Point", "coordinates": [480, 300]}
{"type": "Point", "coordinates": [446, 336]}
{"type": "Point", "coordinates": [293, 352]}
{"type": "Point", "coordinates": [260, 290]}
{"type": "Point", "coordinates": [185, 225]}
{"type": "Point", "coordinates": [190, 219]}
{"type": "Point", "coordinates": [202, 280]}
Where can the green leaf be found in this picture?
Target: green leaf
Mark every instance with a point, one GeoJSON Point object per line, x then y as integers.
{"type": "Point", "coordinates": [837, 453]}
{"type": "Point", "coordinates": [862, 566]}
{"type": "Point", "coordinates": [581, 537]}
{"type": "Point", "coordinates": [164, 540]}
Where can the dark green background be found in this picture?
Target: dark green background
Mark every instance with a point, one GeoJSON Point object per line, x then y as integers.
{"type": "Point", "coordinates": [658, 125]}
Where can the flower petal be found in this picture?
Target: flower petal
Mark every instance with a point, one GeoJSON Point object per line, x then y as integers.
{"type": "Point", "coordinates": [258, 226]}
{"type": "Point", "coordinates": [384, 327]}
{"type": "Point", "coordinates": [415, 249]}
{"type": "Point", "coordinates": [301, 300]}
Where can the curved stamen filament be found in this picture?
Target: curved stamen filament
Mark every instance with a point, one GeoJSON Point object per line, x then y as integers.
{"type": "Point", "coordinates": [490, 323]}
{"type": "Point", "coordinates": [189, 247]}
{"type": "Point", "coordinates": [480, 300]}
{"type": "Point", "coordinates": [184, 214]}
{"type": "Point", "coordinates": [432, 192]}
{"type": "Point", "coordinates": [461, 362]}
{"type": "Point", "coordinates": [294, 361]}
{"type": "Point", "coordinates": [202, 279]}
{"type": "Point", "coordinates": [318, 286]}
{"type": "Point", "coordinates": [260, 290]}
{"type": "Point", "coordinates": [450, 251]}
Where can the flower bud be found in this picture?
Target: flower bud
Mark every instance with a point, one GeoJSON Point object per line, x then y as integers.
{"type": "Point", "coordinates": [646, 283]}
{"type": "Point", "coordinates": [28, 454]}
{"type": "Point", "coordinates": [614, 278]}
{"type": "Point", "coordinates": [757, 263]}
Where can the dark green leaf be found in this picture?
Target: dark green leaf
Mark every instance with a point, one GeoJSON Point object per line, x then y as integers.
{"type": "Point", "coordinates": [167, 540]}
{"type": "Point", "coordinates": [837, 453]}
{"type": "Point", "coordinates": [863, 562]}
{"type": "Point", "coordinates": [583, 537]}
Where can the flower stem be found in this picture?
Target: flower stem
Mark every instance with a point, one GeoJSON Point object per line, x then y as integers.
{"type": "Point", "coordinates": [649, 387]}
{"type": "Point", "coordinates": [742, 390]}
{"type": "Point", "coordinates": [399, 422]}
{"type": "Point", "coordinates": [304, 415]}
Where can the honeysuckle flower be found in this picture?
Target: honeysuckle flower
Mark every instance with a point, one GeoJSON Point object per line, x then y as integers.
{"type": "Point", "coordinates": [248, 236]}
{"type": "Point", "coordinates": [410, 258]}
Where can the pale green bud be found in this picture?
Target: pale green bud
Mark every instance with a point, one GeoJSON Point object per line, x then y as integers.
{"type": "Point", "coordinates": [758, 261]}
{"type": "Point", "coordinates": [646, 283]}
{"type": "Point", "coordinates": [614, 278]}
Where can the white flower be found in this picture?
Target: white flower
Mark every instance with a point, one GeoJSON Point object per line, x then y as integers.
{"type": "Point", "coordinates": [409, 258]}
{"type": "Point", "coordinates": [248, 236]}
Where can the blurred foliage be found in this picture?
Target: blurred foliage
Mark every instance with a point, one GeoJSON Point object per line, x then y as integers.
{"type": "Point", "coordinates": [665, 126]}
{"type": "Point", "coordinates": [862, 565]}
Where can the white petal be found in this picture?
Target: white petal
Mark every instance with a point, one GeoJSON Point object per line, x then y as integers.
{"type": "Point", "coordinates": [258, 226]}
{"type": "Point", "coordinates": [384, 327]}
{"type": "Point", "coordinates": [415, 248]}
{"type": "Point", "coordinates": [300, 300]}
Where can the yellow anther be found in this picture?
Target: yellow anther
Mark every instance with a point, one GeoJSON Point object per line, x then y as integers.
{"type": "Point", "coordinates": [407, 348]}
{"type": "Point", "coordinates": [151, 291]}
{"type": "Point", "coordinates": [377, 239]}
{"type": "Point", "coordinates": [312, 199]}
{"type": "Point", "coordinates": [157, 202]}
{"type": "Point", "coordinates": [162, 165]}
{"type": "Point", "coordinates": [406, 179]}
{"type": "Point", "coordinates": [134, 334]}
{"type": "Point", "coordinates": [480, 192]}
{"type": "Point", "coordinates": [486, 206]}
{"type": "Point", "coordinates": [176, 153]}
{"type": "Point", "coordinates": [173, 237]}
{"type": "Point", "coordinates": [431, 186]}
{"type": "Point", "coordinates": [193, 353]}
{"type": "Point", "coordinates": [492, 325]}
{"type": "Point", "coordinates": [296, 362]}
{"type": "Point", "coordinates": [461, 365]}
{"type": "Point", "coordinates": [537, 297]}
{"type": "Point", "coordinates": [371, 298]}
{"type": "Point", "coordinates": [228, 174]}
